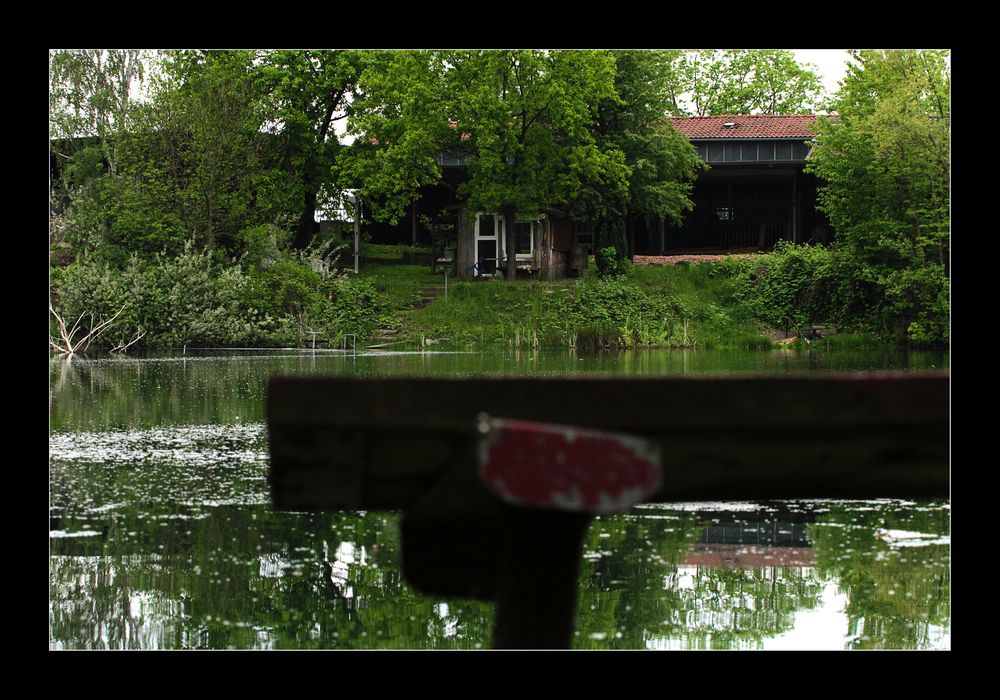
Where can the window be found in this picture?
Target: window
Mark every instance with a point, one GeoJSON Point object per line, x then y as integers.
{"type": "Point", "coordinates": [800, 150]}
{"type": "Point", "coordinates": [724, 213]}
{"type": "Point", "coordinates": [524, 238]}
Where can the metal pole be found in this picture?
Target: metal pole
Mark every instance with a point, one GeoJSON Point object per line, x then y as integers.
{"type": "Point", "coordinates": [357, 230]}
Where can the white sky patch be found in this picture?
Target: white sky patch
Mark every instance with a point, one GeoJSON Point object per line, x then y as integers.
{"type": "Point", "coordinates": [830, 65]}
{"type": "Point", "coordinates": [823, 628]}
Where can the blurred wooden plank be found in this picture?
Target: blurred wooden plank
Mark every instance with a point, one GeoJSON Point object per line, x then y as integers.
{"type": "Point", "coordinates": [343, 443]}
{"type": "Point", "coordinates": [412, 444]}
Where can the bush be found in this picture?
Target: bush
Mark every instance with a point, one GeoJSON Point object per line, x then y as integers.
{"type": "Point", "coordinates": [177, 301]}
{"type": "Point", "coordinates": [348, 305]}
{"type": "Point", "coordinates": [795, 286]}
{"type": "Point", "coordinates": [788, 288]}
{"type": "Point", "coordinates": [613, 312]}
{"type": "Point", "coordinates": [610, 263]}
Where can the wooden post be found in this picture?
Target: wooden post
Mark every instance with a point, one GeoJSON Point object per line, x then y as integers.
{"type": "Point", "coordinates": [795, 209]}
{"type": "Point", "coordinates": [413, 222]}
{"type": "Point", "coordinates": [537, 579]}
{"type": "Point", "coordinates": [727, 228]}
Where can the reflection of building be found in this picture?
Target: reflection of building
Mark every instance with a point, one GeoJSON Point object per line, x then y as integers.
{"type": "Point", "coordinates": [749, 544]}
{"type": "Point", "coordinates": [766, 532]}
{"type": "Point", "coordinates": [715, 555]}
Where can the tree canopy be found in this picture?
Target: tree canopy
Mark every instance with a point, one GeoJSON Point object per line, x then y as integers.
{"type": "Point", "coordinates": [885, 165]}
{"type": "Point", "coordinates": [662, 163]}
{"type": "Point", "coordinates": [524, 117]}
{"type": "Point", "coordinates": [748, 81]}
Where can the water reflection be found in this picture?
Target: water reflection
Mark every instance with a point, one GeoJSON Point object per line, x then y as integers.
{"type": "Point", "coordinates": [173, 389]}
{"type": "Point", "coordinates": [162, 537]}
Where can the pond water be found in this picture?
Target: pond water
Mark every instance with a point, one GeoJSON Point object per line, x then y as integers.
{"type": "Point", "coordinates": [161, 534]}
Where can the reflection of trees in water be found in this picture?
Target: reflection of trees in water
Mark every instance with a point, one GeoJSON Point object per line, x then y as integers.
{"type": "Point", "coordinates": [897, 597]}
{"type": "Point", "coordinates": [102, 394]}
{"type": "Point", "coordinates": [246, 577]}
{"type": "Point", "coordinates": [636, 592]}
{"type": "Point", "coordinates": [165, 574]}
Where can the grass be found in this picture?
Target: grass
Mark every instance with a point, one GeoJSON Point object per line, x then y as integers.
{"type": "Point", "coordinates": [714, 318]}
{"type": "Point", "coordinates": [650, 306]}
{"type": "Point", "coordinates": [400, 284]}
{"type": "Point", "coordinates": [676, 306]}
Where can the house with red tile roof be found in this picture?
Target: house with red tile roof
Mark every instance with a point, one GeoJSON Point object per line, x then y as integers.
{"type": "Point", "coordinates": [755, 192]}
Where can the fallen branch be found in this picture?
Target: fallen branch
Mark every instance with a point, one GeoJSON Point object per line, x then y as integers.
{"type": "Point", "coordinates": [67, 345]}
{"type": "Point", "coordinates": [124, 348]}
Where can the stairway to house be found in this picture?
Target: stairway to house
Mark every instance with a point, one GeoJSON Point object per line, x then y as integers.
{"type": "Point", "coordinates": [428, 293]}
{"type": "Point", "coordinates": [383, 337]}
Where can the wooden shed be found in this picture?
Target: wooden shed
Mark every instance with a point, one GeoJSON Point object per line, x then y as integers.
{"type": "Point", "coordinates": [542, 249]}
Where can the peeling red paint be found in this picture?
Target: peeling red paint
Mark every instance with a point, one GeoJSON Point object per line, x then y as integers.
{"type": "Point", "coordinates": [567, 468]}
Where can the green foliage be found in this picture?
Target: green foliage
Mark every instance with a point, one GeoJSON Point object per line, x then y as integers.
{"type": "Point", "coordinates": [305, 91]}
{"type": "Point", "coordinates": [793, 287]}
{"type": "Point", "coordinates": [618, 313]}
{"type": "Point", "coordinates": [523, 117]}
{"type": "Point", "coordinates": [355, 307]}
{"type": "Point", "coordinates": [886, 167]}
{"type": "Point", "coordinates": [610, 263]}
{"type": "Point", "coordinates": [183, 300]}
{"type": "Point", "coordinates": [90, 94]}
{"type": "Point", "coordinates": [661, 162]}
{"type": "Point", "coordinates": [748, 81]}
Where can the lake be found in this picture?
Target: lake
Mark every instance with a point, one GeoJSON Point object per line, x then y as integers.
{"type": "Point", "coordinates": [161, 534]}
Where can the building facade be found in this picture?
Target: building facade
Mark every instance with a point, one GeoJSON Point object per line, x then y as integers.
{"type": "Point", "coordinates": [755, 193]}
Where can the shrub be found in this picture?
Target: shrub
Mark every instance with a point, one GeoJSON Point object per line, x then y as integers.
{"type": "Point", "coordinates": [613, 312]}
{"type": "Point", "coordinates": [610, 263]}
{"type": "Point", "coordinates": [177, 300]}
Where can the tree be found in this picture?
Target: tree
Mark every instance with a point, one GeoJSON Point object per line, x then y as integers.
{"type": "Point", "coordinates": [749, 81]}
{"type": "Point", "coordinates": [309, 91]}
{"type": "Point", "coordinates": [90, 94]}
{"type": "Point", "coordinates": [661, 160]}
{"type": "Point", "coordinates": [194, 161]}
{"type": "Point", "coordinates": [885, 163]}
{"type": "Point", "coordinates": [524, 116]}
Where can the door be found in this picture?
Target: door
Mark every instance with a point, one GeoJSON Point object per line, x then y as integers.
{"type": "Point", "coordinates": [489, 243]}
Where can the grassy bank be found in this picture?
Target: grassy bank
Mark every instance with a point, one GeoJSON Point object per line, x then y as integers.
{"type": "Point", "coordinates": [677, 306]}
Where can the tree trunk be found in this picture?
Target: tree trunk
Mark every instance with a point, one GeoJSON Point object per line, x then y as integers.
{"type": "Point", "coordinates": [509, 228]}
{"type": "Point", "coordinates": [629, 236]}
{"type": "Point", "coordinates": [413, 223]}
{"type": "Point", "coordinates": [306, 228]}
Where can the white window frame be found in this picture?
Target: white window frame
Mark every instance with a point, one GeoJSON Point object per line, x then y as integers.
{"type": "Point", "coordinates": [498, 237]}
{"type": "Point", "coordinates": [534, 226]}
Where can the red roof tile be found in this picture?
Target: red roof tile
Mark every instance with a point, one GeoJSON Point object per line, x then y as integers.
{"type": "Point", "coordinates": [747, 126]}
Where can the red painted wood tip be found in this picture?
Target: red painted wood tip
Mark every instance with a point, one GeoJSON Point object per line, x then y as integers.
{"type": "Point", "coordinates": [565, 468]}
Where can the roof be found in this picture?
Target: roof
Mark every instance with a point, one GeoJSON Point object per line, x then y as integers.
{"type": "Point", "coordinates": [747, 126]}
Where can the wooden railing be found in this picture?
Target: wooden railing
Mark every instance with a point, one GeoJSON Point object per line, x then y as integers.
{"type": "Point", "coordinates": [413, 445]}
